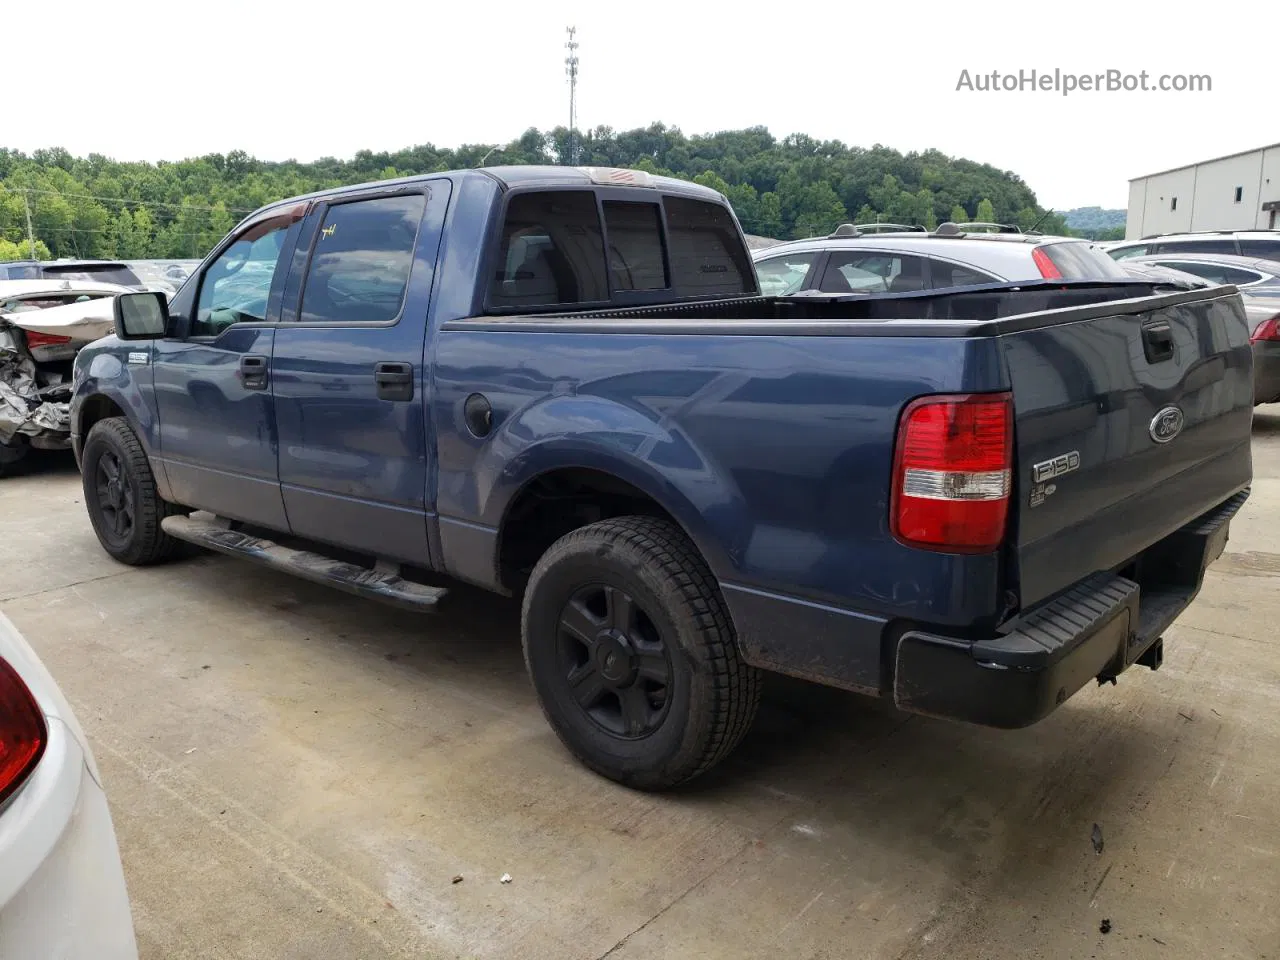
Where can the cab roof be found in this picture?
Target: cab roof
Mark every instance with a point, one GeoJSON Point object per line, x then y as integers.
{"type": "Point", "coordinates": [509, 177]}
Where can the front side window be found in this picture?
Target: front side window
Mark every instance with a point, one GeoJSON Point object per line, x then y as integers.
{"type": "Point", "coordinates": [360, 263]}
{"type": "Point", "coordinates": [784, 275]}
{"type": "Point", "coordinates": [552, 251]}
{"type": "Point", "coordinates": [235, 287]}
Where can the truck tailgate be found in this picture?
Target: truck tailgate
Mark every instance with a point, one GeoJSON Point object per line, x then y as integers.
{"type": "Point", "coordinates": [1128, 425]}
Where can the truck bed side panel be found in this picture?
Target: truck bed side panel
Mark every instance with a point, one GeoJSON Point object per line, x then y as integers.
{"type": "Point", "coordinates": [774, 453]}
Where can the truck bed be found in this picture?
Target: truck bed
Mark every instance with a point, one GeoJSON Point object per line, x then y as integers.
{"type": "Point", "coordinates": [769, 425]}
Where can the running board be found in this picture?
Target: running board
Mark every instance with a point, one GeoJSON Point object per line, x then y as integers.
{"type": "Point", "coordinates": [384, 584]}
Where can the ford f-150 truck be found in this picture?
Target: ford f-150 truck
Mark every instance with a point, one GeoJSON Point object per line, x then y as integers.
{"type": "Point", "coordinates": [563, 384]}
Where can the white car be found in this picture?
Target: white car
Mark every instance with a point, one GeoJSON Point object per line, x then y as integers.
{"type": "Point", "coordinates": [62, 890]}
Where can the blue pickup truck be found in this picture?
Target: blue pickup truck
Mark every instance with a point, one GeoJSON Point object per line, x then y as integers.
{"type": "Point", "coordinates": [563, 385]}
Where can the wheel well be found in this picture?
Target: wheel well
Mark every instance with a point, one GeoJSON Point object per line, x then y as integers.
{"type": "Point", "coordinates": [95, 408]}
{"type": "Point", "coordinates": [556, 503]}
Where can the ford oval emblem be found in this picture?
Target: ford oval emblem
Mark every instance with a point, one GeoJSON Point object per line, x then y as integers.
{"type": "Point", "coordinates": [1166, 424]}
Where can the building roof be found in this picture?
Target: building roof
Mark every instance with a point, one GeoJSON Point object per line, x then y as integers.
{"type": "Point", "coordinates": [1188, 166]}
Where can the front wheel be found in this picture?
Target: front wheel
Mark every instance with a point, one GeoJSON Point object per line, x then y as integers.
{"type": "Point", "coordinates": [633, 655]}
{"type": "Point", "coordinates": [120, 495]}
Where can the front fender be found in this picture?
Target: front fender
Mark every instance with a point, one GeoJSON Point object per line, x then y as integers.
{"type": "Point", "coordinates": [118, 372]}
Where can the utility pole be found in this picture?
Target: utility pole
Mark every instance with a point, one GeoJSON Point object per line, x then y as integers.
{"type": "Point", "coordinates": [31, 237]}
{"type": "Point", "coordinates": [571, 69]}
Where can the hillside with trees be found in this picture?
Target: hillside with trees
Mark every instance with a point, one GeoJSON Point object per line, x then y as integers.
{"type": "Point", "coordinates": [783, 188]}
{"type": "Point", "coordinates": [1096, 223]}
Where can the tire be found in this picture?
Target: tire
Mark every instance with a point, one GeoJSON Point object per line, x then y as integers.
{"type": "Point", "coordinates": [12, 454]}
{"type": "Point", "coordinates": [120, 495]}
{"type": "Point", "coordinates": [651, 692]}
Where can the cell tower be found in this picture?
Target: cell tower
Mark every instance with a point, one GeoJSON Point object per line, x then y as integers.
{"type": "Point", "coordinates": [571, 70]}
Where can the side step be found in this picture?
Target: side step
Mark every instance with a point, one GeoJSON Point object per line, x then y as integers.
{"type": "Point", "coordinates": [378, 584]}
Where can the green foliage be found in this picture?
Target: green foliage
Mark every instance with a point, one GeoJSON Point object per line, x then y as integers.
{"type": "Point", "coordinates": [959, 214]}
{"type": "Point", "coordinates": [791, 187]}
{"type": "Point", "coordinates": [22, 251]}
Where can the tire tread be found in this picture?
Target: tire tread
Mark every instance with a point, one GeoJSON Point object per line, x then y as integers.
{"type": "Point", "coordinates": [736, 685]}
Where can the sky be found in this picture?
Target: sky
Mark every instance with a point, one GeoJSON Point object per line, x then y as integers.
{"type": "Point", "coordinates": [167, 80]}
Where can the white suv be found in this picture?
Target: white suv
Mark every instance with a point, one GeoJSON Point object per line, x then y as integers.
{"type": "Point", "coordinates": [862, 258]}
{"type": "Point", "coordinates": [1258, 244]}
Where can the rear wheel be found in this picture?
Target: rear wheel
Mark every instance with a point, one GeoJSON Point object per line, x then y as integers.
{"type": "Point", "coordinates": [120, 495]}
{"type": "Point", "coordinates": [632, 653]}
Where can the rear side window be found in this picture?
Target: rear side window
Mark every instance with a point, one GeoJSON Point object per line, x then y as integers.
{"type": "Point", "coordinates": [20, 273]}
{"type": "Point", "coordinates": [1264, 249]}
{"type": "Point", "coordinates": [953, 275]}
{"type": "Point", "coordinates": [1215, 272]}
{"type": "Point", "coordinates": [861, 271]}
{"type": "Point", "coordinates": [1195, 246]}
{"type": "Point", "coordinates": [637, 260]}
{"type": "Point", "coordinates": [708, 257]}
{"type": "Point", "coordinates": [552, 251]}
{"type": "Point", "coordinates": [1083, 261]}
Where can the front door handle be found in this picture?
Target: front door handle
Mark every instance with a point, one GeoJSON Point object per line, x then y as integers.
{"type": "Point", "coordinates": [394, 380]}
{"type": "Point", "coordinates": [253, 372]}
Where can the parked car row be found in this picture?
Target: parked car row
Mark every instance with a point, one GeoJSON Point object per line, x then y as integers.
{"type": "Point", "coordinates": [893, 258]}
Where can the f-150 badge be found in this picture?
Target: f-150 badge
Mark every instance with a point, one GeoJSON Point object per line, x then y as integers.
{"type": "Point", "coordinates": [1046, 470]}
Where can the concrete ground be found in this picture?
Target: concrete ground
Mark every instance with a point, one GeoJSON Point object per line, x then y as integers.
{"type": "Point", "coordinates": [297, 774]}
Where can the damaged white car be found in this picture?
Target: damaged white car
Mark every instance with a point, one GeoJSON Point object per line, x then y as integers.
{"type": "Point", "coordinates": [43, 325]}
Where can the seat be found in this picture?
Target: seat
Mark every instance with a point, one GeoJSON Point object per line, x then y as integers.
{"type": "Point", "coordinates": [911, 278]}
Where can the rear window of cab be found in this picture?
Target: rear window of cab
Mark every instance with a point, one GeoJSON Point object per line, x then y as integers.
{"type": "Point", "coordinates": [568, 247]}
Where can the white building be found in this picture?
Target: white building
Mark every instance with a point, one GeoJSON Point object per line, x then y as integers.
{"type": "Point", "coordinates": [1236, 192]}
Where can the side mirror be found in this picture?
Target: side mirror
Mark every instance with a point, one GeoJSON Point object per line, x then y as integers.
{"type": "Point", "coordinates": [140, 316]}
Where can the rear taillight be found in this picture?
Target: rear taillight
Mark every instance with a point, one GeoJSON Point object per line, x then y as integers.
{"type": "Point", "coordinates": [1267, 330]}
{"type": "Point", "coordinates": [1048, 269]}
{"type": "Point", "coordinates": [23, 733]}
{"type": "Point", "coordinates": [44, 340]}
{"type": "Point", "coordinates": [952, 472]}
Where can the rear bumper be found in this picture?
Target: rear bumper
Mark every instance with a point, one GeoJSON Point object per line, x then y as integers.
{"type": "Point", "coordinates": [62, 889]}
{"type": "Point", "coordinates": [1266, 372]}
{"type": "Point", "coordinates": [1098, 628]}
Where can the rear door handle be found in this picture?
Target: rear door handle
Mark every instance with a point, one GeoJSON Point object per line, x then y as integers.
{"type": "Point", "coordinates": [253, 372]}
{"type": "Point", "coordinates": [394, 380]}
{"type": "Point", "coordinates": [1157, 342]}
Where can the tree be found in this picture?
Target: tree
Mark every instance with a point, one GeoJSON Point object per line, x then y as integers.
{"type": "Point", "coordinates": [986, 212]}
{"type": "Point", "coordinates": [22, 250]}
{"type": "Point", "coordinates": [779, 188]}
{"type": "Point", "coordinates": [924, 200]}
